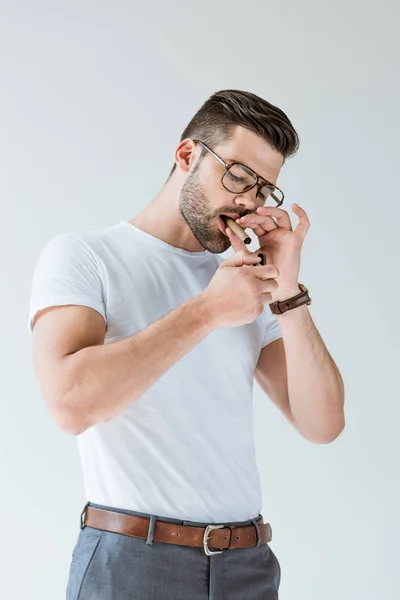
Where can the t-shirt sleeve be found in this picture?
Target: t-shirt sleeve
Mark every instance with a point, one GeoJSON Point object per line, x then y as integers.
{"type": "Point", "coordinates": [272, 330]}
{"type": "Point", "coordinates": [67, 272]}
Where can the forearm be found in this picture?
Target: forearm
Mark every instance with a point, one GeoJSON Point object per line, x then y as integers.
{"type": "Point", "coordinates": [315, 386]}
{"type": "Point", "coordinates": [102, 381]}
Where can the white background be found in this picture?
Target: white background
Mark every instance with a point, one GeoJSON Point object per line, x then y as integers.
{"type": "Point", "coordinates": [94, 97]}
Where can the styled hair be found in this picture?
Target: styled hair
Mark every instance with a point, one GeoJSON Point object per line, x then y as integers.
{"type": "Point", "coordinates": [214, 122]}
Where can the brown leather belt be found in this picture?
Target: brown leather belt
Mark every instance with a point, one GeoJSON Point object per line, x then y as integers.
{"type": "Point", "coordinates": [222, 537]}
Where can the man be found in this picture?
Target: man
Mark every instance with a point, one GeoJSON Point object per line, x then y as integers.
{"type": "Point", "coordinates": [146, 345]}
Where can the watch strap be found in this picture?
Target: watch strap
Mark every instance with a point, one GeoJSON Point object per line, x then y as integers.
{"type": "Point", "coordinates": [280, 307]}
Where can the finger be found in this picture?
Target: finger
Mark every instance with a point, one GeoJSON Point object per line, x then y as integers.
{"type": "Point", "coordinates": [266, 272]}
{"type": "Point", "coordinates": [304, 223]}
{"type": "Point", "coordinates": [281, 216]}
{"type": "Point", "coordinates": [237, 243]}
{"type": "Point", "coordinates": [268, 287]}
{"type": "Point", "coordinates": [258, 223]}
{"type": "Point", "coordinates": [243, 257]}
{"type": "Point", "coordinates": [266, 298]}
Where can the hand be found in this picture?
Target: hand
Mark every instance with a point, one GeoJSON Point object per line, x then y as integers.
{"type": "Point", "coordinates": [280, 244]}
{"type": "Point", "coordinates": [239, 289]}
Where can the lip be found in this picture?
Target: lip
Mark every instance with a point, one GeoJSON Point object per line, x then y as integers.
{"type": "Point", "coordinates": [222, 224]}
{"type": "Point", "coordinates": [233, 216]}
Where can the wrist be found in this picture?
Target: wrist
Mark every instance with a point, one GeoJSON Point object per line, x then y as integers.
{"type": "Point", "coordinates": [284, 292]}
{"type": "Point", "coordinates": [205, 312]}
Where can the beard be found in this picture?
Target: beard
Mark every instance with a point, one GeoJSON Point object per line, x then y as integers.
{"type": "Point", "coordinates": [202, 220]}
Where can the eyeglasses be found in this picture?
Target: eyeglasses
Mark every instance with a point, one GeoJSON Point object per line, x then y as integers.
{"type": "Point", "coordinates": [238, 178]}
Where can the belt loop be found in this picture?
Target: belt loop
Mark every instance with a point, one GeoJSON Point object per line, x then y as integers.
{"type": "Point", "coordinates": [82, 519]}
{"type": "Point", "coordinates": [231, 536]}
{"type": "Point", "coordinates": [257, 532]}
{"type": "Point", "coordinates": [150, 533]}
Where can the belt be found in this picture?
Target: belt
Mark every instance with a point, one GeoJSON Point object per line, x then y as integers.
{"type": "Point", "coordinates": [223, 537]}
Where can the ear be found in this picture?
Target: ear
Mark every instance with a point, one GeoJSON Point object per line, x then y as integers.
{"type": "Point", "coordinates": [186, 155]}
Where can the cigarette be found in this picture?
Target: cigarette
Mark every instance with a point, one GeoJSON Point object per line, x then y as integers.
{"type": "Point", "coordinates": [233, 226]}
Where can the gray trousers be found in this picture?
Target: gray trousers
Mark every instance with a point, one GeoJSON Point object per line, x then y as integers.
{"type": "Point", "coordinates": [112, 566]}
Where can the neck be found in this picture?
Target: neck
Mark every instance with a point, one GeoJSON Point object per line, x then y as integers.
{"type": "Point", "coordinates": [162, 219]}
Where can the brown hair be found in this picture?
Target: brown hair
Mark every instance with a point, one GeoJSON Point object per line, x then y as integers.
{"type": "Point", "coordinates": [224, 110]}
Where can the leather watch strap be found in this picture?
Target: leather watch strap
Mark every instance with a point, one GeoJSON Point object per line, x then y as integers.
{"type": "Point", "coordinates": [280, 307]}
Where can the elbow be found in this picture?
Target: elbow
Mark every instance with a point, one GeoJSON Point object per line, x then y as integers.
{"type": "Point", "coordinates": [73, 428]}
{"type": "Point", "coordinates": [69, 414]}
{"type": "Point", "coordinates": [327, 438]}
{"type": "Point", "coordinates": [67, 398]}
{"type": "Point", "coordinates": [69, 421]}
{"type": "Point", "coordinates": [325, 435]}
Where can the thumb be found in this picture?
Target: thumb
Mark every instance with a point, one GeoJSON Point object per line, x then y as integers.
{"type": "Point", "coordinates": [237, 243]}
{"type": "Point", "coordinates": [243, 257]}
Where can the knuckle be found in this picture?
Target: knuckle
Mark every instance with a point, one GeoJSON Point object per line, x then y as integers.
{"type": "Point", "coordinates": [273, 271]}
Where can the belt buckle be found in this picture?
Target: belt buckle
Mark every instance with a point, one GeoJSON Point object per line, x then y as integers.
{"type": "Point", "coordinates": [206, 538]}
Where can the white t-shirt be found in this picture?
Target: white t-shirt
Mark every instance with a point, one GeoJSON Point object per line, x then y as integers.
{"type": "Point", "coordinates": [185, 448]}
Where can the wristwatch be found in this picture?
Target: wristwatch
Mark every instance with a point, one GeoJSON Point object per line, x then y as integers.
{"type": "Point", "coordinates": [278, 308]}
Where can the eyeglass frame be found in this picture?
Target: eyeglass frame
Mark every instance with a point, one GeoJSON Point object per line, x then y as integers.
{"type": "Point", "coordinates": [229, 166]}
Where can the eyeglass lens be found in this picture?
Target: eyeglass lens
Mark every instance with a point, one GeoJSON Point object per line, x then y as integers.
{"type": "Point", "coordinates": [239, 179]}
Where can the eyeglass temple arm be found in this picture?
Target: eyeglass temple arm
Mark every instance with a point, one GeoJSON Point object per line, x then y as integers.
{"type": "Point", "coordinates": [219, 159]}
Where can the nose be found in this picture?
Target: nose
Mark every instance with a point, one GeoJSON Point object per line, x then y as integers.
{"type": "Point", "coordinates": [249, 199]}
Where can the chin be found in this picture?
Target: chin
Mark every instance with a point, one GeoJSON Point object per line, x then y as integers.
{"type": "Point", "coordinates": [218, 245]}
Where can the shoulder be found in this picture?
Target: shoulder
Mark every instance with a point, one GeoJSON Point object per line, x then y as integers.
{"type": "Point", "coordinates": [76, 247]}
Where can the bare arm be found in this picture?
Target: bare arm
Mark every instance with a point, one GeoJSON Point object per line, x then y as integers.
{"type": "Point", "coordinates": [301, 378]}
{"type": "Point", "coordinates": [85, 382]}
